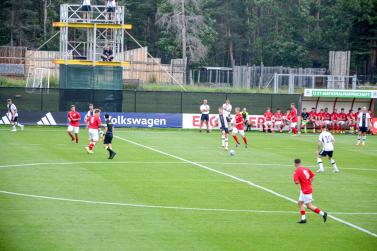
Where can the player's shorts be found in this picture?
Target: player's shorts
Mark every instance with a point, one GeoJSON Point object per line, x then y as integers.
{"type": "Point", "coordinates": [324, 153]}
{"type": "Point", "coordinates": [363, 129]}
{"type": "Point", "coordinates": [278, 123]}
{"type": "Point", "coordinates": [14, 119]}
{"type": "Point", "coordinates": [341, 122]}
{"type": "Point", "coordinates": [74, 129]}
{"type": "Point", "coordinates": [108, 139]}
{"type": "Point", "coordinates": [327, 122]}
{"type": "Point", "coordinates": [110, 9]}
{"type": "Point", "coordinates": [86, 8]}
{"type": "Point", "coordinates": [235, 131]}
{"type": "Point", "coordinates": [93, 135]}
{"type": "Point", "coordinates": [228, 119]}
{"type": "Point", "coordinates": [224, 129]}
{"type": "Point", "coordinates": [268, 123]}
{"type": "Point", "coordinates": [293, 124]}
{"type": "Point", "coordinates": [306, 198]}
{"type": "Point", "coordinates": [204, 117]}
{"type": "Point", "coordinates": [304, 122]}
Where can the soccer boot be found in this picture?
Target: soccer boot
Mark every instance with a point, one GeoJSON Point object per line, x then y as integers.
{"type": "Point", "coordinates": [302, 222]}
{"type": "Point", "coordinates": [112, 155]}
{"type": "Point", "coordinates": [324, 217]}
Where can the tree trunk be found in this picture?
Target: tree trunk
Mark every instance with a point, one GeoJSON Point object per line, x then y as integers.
{"type": "Point", "coordinates": [230, 47]}
{"type": "Point", "coordinates": [45, 19]}
{"type": "Point", "coordinates": [372, 57]}
{"type": "Point", "coordinates": [184, 45]}
{"type": "Point", "coordinates": [12, 26]}
{"type": "Point", "coordinates": [317, 14]}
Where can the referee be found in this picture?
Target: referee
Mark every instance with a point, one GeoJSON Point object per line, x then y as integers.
{"type": "Point", "coordinates": [108, 132]}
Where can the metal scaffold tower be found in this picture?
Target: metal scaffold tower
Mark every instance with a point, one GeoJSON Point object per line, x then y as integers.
{"type": "Point", "coordinates": [84, 37]}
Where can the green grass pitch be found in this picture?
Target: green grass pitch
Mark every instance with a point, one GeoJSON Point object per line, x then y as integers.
{"type": "Point", "coordinates": [183, 193]}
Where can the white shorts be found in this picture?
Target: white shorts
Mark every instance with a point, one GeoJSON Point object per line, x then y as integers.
{"type": "Point", "coordinates": [278, 123]}
{"type": "Point", "coordinates": [341, 122]}
{"type": "Point", "coordinates": [306, 198]}
{"type": "Point", "coordinates": [93, 134]}
{"type": "Point", "coordinates": [74, 129]}
{"type": "Point", "coordinates": [235, 131]}
{"type": "Point", "coordinates": [327, 122]}
{"type": "Point", "coordinates": [293, 124]}
{"type": "Point", "coordinates": [268, 123]}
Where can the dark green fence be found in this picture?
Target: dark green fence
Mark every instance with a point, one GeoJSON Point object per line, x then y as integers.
{"type": "Point", "coordinates": [52, 100]}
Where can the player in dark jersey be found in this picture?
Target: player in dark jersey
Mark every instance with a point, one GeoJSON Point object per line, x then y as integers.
{"type": "Point", "coordinates": [304, 119]}
{"type": "Point", "coordinates": [108, 136]}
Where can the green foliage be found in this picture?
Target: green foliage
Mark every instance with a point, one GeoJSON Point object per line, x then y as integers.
{"type": "Point", "coordinates": [10, 82]}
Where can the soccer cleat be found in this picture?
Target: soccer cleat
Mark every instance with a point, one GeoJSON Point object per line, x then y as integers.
{"type": "Point", "coordinates": [363, 144]}
{"type": "Point", "coordinates": [88, 150]}
{"type": "Point", "coordinates": [324, 217]}
{"type": "Point", "coordinates": [303, 221]}
{"type": "Point", "coordinates": [112, 155]}
{"type": "Point", "coordinates": [358, 143]}
{"type": "Point", "coordinates": [22, 127]}
{"type": "Point", "coordinates": [245, 145]}
{"type": "Point", "coordinates": [237, 145]}
{"type": "Point", "coordinates": [336, 170]}
{"type": "Point", "coordinates": [320, 170]}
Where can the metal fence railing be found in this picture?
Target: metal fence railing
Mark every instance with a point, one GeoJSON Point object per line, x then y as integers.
{"type": "Point", "coordinates": [53, 100]}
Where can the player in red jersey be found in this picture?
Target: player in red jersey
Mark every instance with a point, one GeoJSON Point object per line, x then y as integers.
{"type": "Point", "coordinates": [294, 119]}
{"type": "Point", "coordinates": [313, 118]}
{"type": "Point", "coordinates": [342, 121]}
{"type": "Point", "coordinates": [326, 117]}
{"type": "Point", "coordinates": [238, 127]}
{"type": "Point", "coordinates": [278, 120]}
{"type": "Point", "coordinates": [351, 123]}
{"type": "Point", "coordinates": [287, 120]}
{"type": "Point", "coordinates": [304, 176]}
{"type": "Point", "coordinates": [356, 117]}
{"type": "Point", "coordinates": [74, 123]}
{"type": "Point", "coordinates": [268, 123]}
{"type": "Point", "coordinates": [94, 123]}
{"type": "Point", "coordinates": [334, 121]}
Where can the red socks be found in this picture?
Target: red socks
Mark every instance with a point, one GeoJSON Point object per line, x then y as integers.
{"type": "Point", "coordinates": [77, 138]}
{"type": "Point", "coordinates": [71, 135]}
{"type": "Point", "coordinates": [244, 140]}
{"type": "Point", "coordinates": [317, 210]}
{"type": "Point", "coordinates": [91, 146]}
{"type": "Point", "coordinates": [236, 139]}
{"type": "Point", "coordinates": [302, 212]}
{"type": "Point", "coordinates": [294, 130]}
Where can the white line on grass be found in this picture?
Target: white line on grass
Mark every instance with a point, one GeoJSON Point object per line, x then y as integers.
{"type": "Point", "coordinates": [243, 181]}
{"type": "Point", "coordinates": [164, 162]}
{"type": "Point", "coordinates": [164, 207]}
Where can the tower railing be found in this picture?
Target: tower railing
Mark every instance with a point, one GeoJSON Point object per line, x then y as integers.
{"type": "Point", "coordinates": [74, 13]}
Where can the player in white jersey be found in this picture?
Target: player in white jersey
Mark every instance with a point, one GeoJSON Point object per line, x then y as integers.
{"type": "Point", "coordinates": [227, 109]}
{"type": "Point", "coordinates": [364, 121]}
{"type": "Point", "coordinates": [90, 112]}
{"type": "Point", "coordinates": [221, 121]}
{"type": "Point", "coordinates": [204, 109]}
{"type": "Point", "coordinates": [13, 115]}
{"type": "Point", "coordinates": [326, 148]}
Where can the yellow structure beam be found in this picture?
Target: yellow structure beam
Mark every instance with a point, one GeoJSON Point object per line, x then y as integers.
{"type": "Point", "coordinates": [87, 62]}
{"type": "Point", "coordinates": [91, 25]}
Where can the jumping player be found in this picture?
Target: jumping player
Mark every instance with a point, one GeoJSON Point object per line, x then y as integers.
{"type": "Point", "coordinates": [238, 127]}
{"type": "Point", "coordinates": [364, 122]}
{"type": "Point", "coordinates": [221, 121]}
{"type": "Point", "coordinates": [94, 123]}
{"type": "Point", "coordinates": [304, 119]}
{"type": "Point", "coordinates": [278, 120]}
{"type": "Point", "coordinates": [304, 176]}
{"type": "Point", "coordinates": [294, 119]}
{"type": "Point", "coordinates": [325, 148]}
{"type": "Point", "coordinates": [204, 109]}
{"type": "Point", "coordinates": [13, 115]}
{"type": "Point", "coordinates": [74, 123]}
{"type": "Point", "coordinates": [268, 120]}
{"type": "Point", "coordinates": [108, 136]}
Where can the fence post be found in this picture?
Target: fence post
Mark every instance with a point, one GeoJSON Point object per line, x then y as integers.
{"type": "Point", "coordinates": [291, 84]}
{"type": "Point", "coordinates": [42, 89]}
{"type": "Point", "coordinates": [276, 90]}
{"type": "Point", "coordinates": [134, 100]}
{"type": "Point", "coordinates": [181, 102]}
{"type": "Point", "coordinates": [313, 82]}
{"type": "Point", "coordinates": [354, 82]}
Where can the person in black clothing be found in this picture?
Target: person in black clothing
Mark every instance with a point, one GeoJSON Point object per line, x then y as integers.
{"type": "Point", "coordinates": [304, 119]}
{"type": "Point", "coordinates": [107, 54]}
{"type": "Point", "coordinates": [108, 136]}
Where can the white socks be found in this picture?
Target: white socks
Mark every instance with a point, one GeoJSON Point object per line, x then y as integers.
{"type": "Point", "coordinates": [320, 164]}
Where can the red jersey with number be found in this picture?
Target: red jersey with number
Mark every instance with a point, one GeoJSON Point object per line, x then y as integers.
{"type": "Point", "coordinates": [239, 122]}
{"type": "Point", "coordinates": [293, 115]}
{"type": "Point", "coordinates": [74, 118]}
{"type": "Point", "coordinates": [278, 116]}
{"type": "Point", "coordinates": [342, 116]}
{"type": "Point", "coordinates": [94, 122]}
{"type": "Point", "coordinates": [268, 116]}
{"type": "Point", "coordinates": [334, 116]}
{"type": "Point", "coordinates": [304, 176]}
